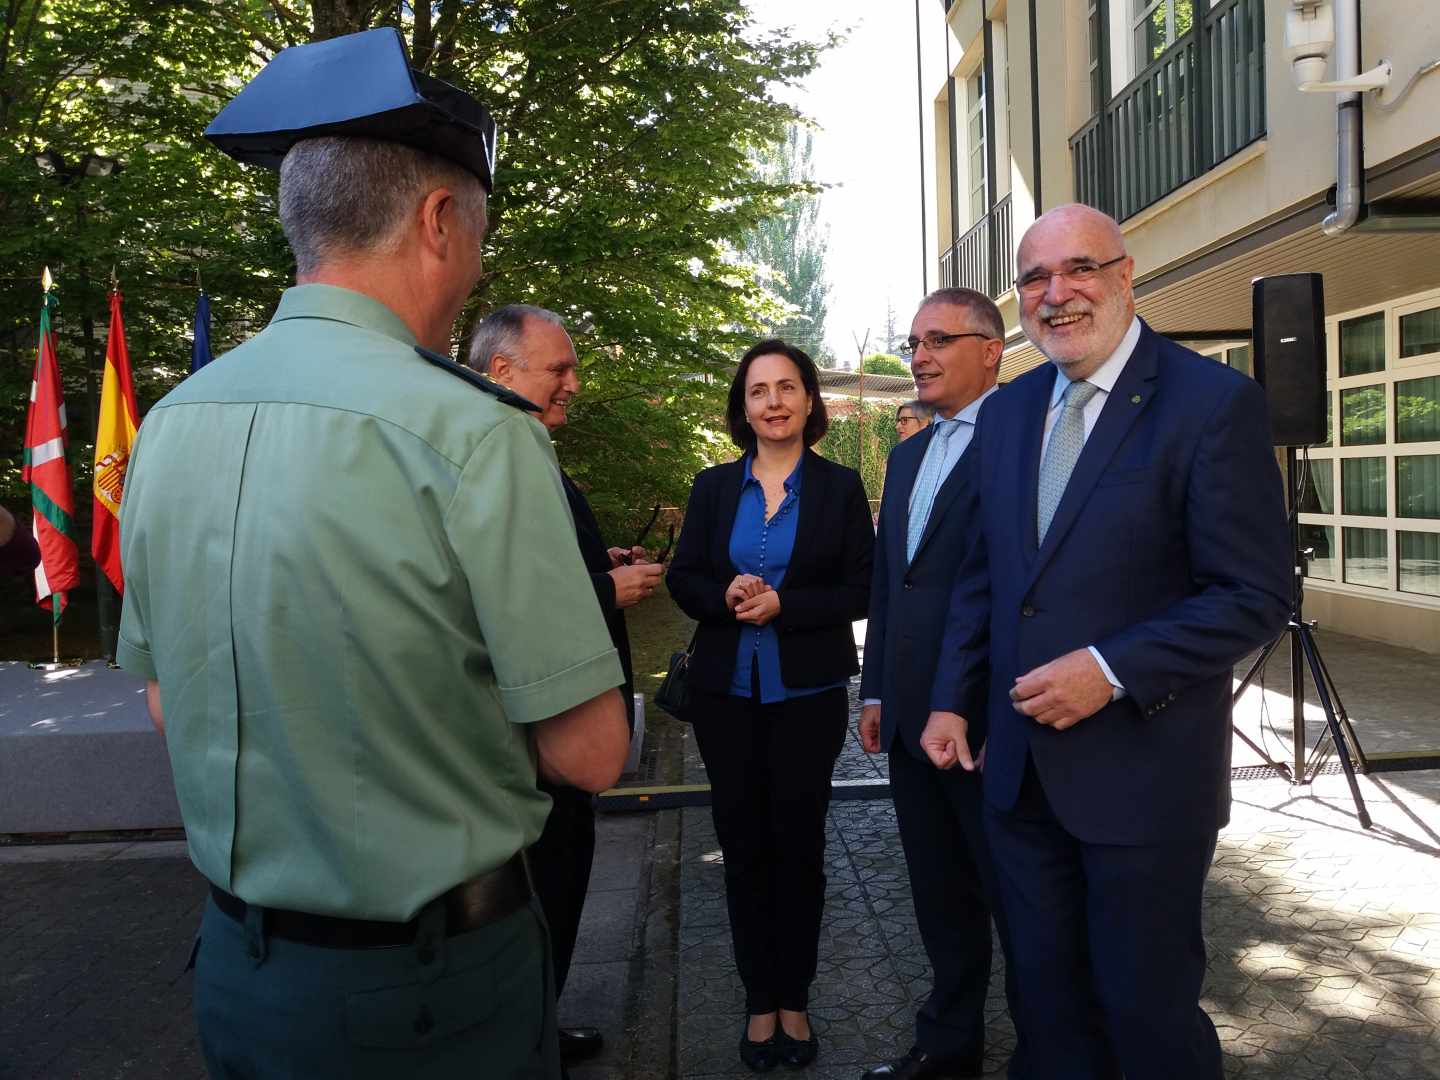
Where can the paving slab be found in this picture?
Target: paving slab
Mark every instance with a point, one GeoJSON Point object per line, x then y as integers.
{"type": "Point", "coordinates": [1324, 937]}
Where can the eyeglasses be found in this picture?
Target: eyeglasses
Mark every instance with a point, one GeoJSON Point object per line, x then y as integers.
{"type": "Point", "coordinates": [1038, 280]}
{"type": "Point", "coordinates": [934, 342]}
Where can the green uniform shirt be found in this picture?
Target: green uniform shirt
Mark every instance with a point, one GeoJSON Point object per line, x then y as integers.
{"type": "Point", "coordinates": [356, 579]}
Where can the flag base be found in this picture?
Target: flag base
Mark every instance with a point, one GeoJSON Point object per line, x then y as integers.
{"type": "Point", "coordinates": [55, 665]}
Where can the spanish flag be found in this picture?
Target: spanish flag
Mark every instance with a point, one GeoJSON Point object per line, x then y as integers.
{"type": "Point", "coordinates": [113, 438]}
{"type": "Point", "coordinates": [48, 475]}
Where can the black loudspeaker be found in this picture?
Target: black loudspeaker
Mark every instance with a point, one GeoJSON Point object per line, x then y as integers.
{"type": "Point", "coordinates": [1289, 355]}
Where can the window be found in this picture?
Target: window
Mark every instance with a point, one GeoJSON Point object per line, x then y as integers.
{"type": "Point", "coordinates": [1420, 333]}
{"type": "Point", "coordinates": [1319, 494]}
{"type": "Point", "coordinates": [1419, 562]}
{"type": "Point", "coordinates": [1417, 410]}
{"type": "Point", "coordinates": [1362, 416]}
{"type": "Point", "coordinates": [1372, 509]}
{"type": "Point", "coordinates": [975, 121]}
{"type": "Point", "coordinates": [1362, 344]}
{"type": "Point", "coordinates": [1320, 539]}
{"type": "Point", "coordinates": [1156, 25]}
{"type": "Point", "coordinates": [1239, 358]}
{"type": "Point", "coordinates": [1097, 92]}
{"type": "Point", "coordinates": [1366, 561]}
{"type": "Point", "coordinates": [1417, 486]}
{"type": "Point", "coordinates": [1362, 481]}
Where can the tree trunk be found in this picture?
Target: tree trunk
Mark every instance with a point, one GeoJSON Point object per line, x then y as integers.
{"type": "Point", "coordinates": [336, 17]}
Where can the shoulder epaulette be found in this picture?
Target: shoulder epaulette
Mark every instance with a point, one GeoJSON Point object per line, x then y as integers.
{"type": "Point", "coordinates": [501, 393]}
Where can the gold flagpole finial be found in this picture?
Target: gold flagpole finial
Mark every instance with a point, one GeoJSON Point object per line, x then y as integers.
{"type": "Point", "coordinates": [114, 279]}
{"type": "Point", "coordinates": [46, 281]}
{"type": "Point", "coordinates": [199, 284]}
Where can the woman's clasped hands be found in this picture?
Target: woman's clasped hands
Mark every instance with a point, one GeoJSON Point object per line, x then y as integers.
{"type": "Point", "coordinates": [752, 600]}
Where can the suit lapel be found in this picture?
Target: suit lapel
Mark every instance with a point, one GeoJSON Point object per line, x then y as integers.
{"type": "Point", "coordinates": [814, 485]}
{"type": "Point", "coordinates": [906, 472]}
{"type": "Point", "coordinates": [1033, 413]}
{"type": "Point", "coordinates": [1130, 397]}
{"type": "Point", "coordinates": [944, 499]}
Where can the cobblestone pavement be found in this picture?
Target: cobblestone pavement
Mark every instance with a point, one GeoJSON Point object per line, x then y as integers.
{"type": "Point", "coordinates": [1324, 938]}
{"type": "Point", "coordinates": [93, 944]}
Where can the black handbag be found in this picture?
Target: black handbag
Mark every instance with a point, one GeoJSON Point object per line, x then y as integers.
{"type": "Point", "coordinates": [674, 693]}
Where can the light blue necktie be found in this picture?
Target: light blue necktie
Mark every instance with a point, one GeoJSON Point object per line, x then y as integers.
{"type": "Point", "coordinates": [1067, 439]}
{"type": "Point", "coordinates": [928, 482]}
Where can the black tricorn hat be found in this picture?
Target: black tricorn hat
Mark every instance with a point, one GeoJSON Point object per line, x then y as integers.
{"type": "Point", "coordinates": [359, 84]}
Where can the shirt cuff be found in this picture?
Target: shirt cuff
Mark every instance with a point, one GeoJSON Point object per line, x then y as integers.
{"type": "Point", "coordinates": [1119, 691]}
{"type": "Point", "coordinates": [871, 701]}
{"type": "Point", "coordinates": [134, 659]}
{"type": "Point", "coordinates": [563, 690]}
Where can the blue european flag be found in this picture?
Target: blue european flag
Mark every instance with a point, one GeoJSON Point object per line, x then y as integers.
{"type": "Point", "coordinates": [200, 350]}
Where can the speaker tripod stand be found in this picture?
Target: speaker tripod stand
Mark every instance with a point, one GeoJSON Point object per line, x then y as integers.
{"type": "Point", "coordinates": [1305, 653]}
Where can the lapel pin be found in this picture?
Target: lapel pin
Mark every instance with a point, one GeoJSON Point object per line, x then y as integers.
{"type": "Point", "coordinates": [1134, 399]}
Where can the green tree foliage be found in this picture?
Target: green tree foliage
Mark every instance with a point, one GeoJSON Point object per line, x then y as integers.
{"type": "Point", "coordinates": [845, 440]}
{"type": "Point", "coordinates": [625, 188]}
{"type": "Point", "coordinates": [885, 364]}
{"type": "Point", "coordinates": [789, 248]}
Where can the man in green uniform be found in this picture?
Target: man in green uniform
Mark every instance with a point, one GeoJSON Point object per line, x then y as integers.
{"type": "Point", "coordinates": [350, 582]}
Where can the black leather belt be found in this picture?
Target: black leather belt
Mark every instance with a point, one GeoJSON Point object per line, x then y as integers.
{"type": "Point", "coordinates": [470, 905]}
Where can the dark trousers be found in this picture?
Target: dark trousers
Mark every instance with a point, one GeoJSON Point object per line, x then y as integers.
{"type": "Point", "coordinates": [560, 866]}
{"type": "Point", "coordinates": [769, 769]}
{"type": "Point", "coordinates": [952, 882]}
{"type": "Point", "coordinates": [479, 1003]}
{"type": "Point", "coordinates": [1108, 947]}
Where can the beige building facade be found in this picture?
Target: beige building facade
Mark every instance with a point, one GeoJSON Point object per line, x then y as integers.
{"type": "Point", "coordinates": [1184, 120]}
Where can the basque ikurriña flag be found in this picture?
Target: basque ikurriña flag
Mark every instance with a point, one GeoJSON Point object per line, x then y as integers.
{"type": "Point", "coordinates": [113, 439]}
{"type": "Point", "coordinates": [48, 475]}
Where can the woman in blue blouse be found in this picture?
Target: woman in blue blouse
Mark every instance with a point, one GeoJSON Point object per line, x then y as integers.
{"type": "Point", "coordinates": [774, 564]}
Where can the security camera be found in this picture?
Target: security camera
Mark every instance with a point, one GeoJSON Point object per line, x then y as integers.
{"type": "Point", "coordinates": [1309, 39]}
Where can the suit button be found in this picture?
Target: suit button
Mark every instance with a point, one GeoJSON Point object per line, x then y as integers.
{"type": "Point", "coordinates": [1170, 697]}
{"type": "Point", "coordinates": [1027, 611]}
{"type": "Point", "coordinates": [908, 586]}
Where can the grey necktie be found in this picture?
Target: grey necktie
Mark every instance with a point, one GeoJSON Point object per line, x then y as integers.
{"type": "Point", "coordinates": [1067, 439]}
{"type": "Point", "coordinates": [928, 483]}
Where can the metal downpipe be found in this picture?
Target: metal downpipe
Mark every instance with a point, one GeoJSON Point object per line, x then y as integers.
{"type": "Point", "coordinates": [1349, 125]}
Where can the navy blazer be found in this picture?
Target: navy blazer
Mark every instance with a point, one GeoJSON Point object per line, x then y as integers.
{"type": "Point", "coordinates": [909, 601]}
{"type": "Point", "coordinates": [596, 556]}
{"type": "Point", "coordinates": [826, 587]}
{"type": "Point", "coordinates": [1169, 553]}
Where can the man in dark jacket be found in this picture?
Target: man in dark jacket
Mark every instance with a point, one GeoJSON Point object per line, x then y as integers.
{"type": "Point", "coordinates": [528, 350]}
{"type": "Point", "coordinates": [18, 550]}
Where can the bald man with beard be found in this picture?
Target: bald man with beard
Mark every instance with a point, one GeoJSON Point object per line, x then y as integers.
{"type": "Point", "coordinates": [1130, 547]}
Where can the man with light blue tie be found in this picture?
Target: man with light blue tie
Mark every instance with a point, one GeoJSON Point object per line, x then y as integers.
{"type": "Point", "coordinates": [1129, 548]}
{"type": "Point", "coordinates": [956, 340]}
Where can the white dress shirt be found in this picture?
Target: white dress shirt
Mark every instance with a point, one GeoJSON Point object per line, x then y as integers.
{"type": "Point", "coordinates": [1103, 379]}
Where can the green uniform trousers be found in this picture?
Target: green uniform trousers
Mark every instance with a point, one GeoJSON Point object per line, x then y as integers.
{"type": "Point", "coordinates": [477, 1005]}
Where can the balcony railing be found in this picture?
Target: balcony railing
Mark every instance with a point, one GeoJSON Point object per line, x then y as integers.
{"type": "Point", "coordinates": [984, 258]}
{"type": "Point", "coordinates": [1199, 102]}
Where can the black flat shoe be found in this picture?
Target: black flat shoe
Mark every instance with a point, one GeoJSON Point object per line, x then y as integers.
{"type": "Point", "coordinates": [796, 1053]}
{"type": "Point", "coordinates": [579, 1043]}
{"type": "Point", "coordinates": [758, 1056]}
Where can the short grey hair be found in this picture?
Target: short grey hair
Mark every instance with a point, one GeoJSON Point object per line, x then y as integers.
{"type": "Point", "coordinates": [344, 195]}
{"type": "Point", "coordinates": [500, 332]}
{"type": "Point", "coordinates": [918, 409]}
{"type": "Point", "coordinates": [982, 309]}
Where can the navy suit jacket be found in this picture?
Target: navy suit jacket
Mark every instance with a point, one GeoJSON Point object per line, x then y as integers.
{"type": "Point", "coordinates": [1169, 553]}
{"type": "Point", "coordinates": [909, 600]}
{"type": "Point", "coordinates": [596, 556]}
{"type": "Point", "coordinates": [825, 588]}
